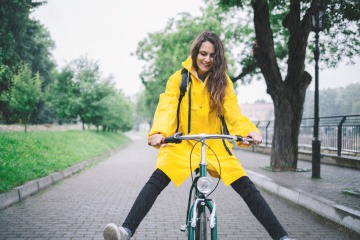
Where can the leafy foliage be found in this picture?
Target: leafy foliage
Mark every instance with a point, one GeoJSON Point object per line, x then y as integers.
{"type": "Point", "coordinates": [117, 112]}
{"type": "Point", "coordinates": [165, 50]}
{"type": "Point", "coordinates": [77, 91]}
{"type": "Point", "coordinates": [80, 91]}
{"type": "Point", "coordinates": [281, 31]}
{"type": "Point", "coordinates": [24, 94]}
{"type": "Point", "coordinates": [143, 113]}
{"type": "Point", "coordinates": [23, 40]}
{"type": "Point", "coordinates": [61, 96]}
{"type": "Point", "coordinates": [340, 38]}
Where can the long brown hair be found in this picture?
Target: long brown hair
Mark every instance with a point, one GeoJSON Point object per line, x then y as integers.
{"type": "Point", "coordinates": [217, 81]}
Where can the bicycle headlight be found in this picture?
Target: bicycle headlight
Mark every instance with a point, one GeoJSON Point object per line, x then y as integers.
{"type": "Point", "coordinates": [204, 185]}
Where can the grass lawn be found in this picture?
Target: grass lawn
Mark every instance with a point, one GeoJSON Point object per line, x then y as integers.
{"type": "Point", "coordinates": [31, 155]}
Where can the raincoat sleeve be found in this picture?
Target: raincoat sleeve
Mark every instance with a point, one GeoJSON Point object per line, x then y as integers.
{"type": "Point", "coordinates": [237, 123]}
{"type": "Point", "coordinates": [165, 118]}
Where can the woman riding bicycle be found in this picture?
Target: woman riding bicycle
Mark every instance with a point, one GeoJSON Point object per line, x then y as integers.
{"type": "Point", "coordinates": [211, 95]}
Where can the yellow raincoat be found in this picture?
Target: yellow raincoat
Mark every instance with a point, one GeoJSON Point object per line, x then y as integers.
{"type": "Point", "coordinates": [174, 160]}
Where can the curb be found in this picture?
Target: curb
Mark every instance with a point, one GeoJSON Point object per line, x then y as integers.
{"type": "Point", "coordinates": [340, 214]}
{"type": "Point", "coordinates": [32, 187]}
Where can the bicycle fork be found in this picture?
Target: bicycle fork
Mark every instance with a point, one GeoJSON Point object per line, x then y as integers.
{"type": "Point", "coordinates": [197, 208]}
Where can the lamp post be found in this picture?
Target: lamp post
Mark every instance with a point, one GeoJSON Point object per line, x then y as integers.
{"type": "Point", "coordinates": [316, 25]}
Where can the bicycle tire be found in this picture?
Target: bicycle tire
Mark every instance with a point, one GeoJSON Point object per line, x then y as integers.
{"type": "Point", "coordinates": [201, 233]}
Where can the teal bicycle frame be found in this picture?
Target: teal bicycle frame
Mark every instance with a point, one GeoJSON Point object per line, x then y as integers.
{"type": "Point", "coordinates": [196, 224]}
{"type": "Point", "coordinates": [200, 205]}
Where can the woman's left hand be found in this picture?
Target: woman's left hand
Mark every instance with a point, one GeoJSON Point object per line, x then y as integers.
{"type": "Point", "coordinates": [256, 136]}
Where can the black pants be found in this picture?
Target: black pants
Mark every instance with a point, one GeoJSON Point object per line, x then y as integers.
{"type": "Point", "coordinates": [243, 186]}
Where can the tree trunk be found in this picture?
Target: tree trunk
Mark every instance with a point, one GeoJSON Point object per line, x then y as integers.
{"type": "Point", "coordinates": [282, 157]}
{"type": "Point", "coordinates": [288, 95]}
{"type": "Point", "coordinates": [288, 114]}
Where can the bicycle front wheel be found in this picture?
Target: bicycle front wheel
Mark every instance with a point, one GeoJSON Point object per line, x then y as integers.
{"type": "Point", "coordinates": [202, 226]}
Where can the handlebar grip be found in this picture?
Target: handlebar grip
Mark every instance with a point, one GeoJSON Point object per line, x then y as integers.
{"type": "Point", "coordinates": [244, 139]}
{"type": "Point", "coordinates": [241, 139]}
{"type": "Point", "coordinates": [173, 139]}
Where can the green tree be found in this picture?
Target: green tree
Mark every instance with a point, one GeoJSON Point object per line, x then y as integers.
{"type": "Point", "coordinates": [14, 23]}
{"type": "Point", "coordinates": [40, 59]}
{"type": "Point", "coordinates": [96, 109]}
{"type": "Point", "coordinates": [142, 112]}
{"type": "Point", "coordinates": [62, 96]}
{"type": "Point", "coordinates": [170, 47]}
{"type": "Point", "coordinates": [88, 79]}
{"type": "Point", "coordinates": [85, 77]}
{"type": "Point", "coordinates": [73, 92]}
{"type": "Point", "coordinates": [80, 91]}
{"type": "Point", "coordinates": [279, 39]}
{"type": "Point", "coordinates": [118, 112]}
{"type": "Point", "coordinates": [24, 94]}
{"type": "Point", "coordinates": [23, 40]}
{"type": "Point", "coordinates": [6, 75]}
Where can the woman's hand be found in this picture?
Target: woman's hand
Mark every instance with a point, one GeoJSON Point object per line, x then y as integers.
{"type": "Point", "coordinates": [256, 136]}
{"type": "Point", "coordinates": [156, 140]}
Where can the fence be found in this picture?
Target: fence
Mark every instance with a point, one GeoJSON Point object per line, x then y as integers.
{"type": "Point", "coordinates": [337, 133]}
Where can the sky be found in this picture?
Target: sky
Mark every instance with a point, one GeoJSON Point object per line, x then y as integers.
{"type": "Point", "coordinates": [108, 31]}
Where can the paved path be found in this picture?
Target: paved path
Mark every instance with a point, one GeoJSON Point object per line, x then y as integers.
{"type": "Point", "coordinates": [80, 206]}
{"type": "Point", "coordinates": [330, 186]}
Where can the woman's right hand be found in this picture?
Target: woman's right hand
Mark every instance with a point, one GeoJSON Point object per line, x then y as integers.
{"type": "Point", "coordinates": [156, 140]}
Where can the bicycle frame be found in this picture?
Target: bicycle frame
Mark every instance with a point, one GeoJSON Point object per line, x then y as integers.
{"type": "Point", "coordinates": [200, 204]}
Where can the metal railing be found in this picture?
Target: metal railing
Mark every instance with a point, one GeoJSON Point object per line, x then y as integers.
{"type": "Point", "coordinates": [337, 133]}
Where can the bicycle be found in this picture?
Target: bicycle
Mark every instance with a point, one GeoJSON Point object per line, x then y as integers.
{"type": "Point", "coordinates": [199, 205]}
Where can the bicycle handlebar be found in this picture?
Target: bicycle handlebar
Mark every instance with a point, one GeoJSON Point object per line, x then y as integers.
{"type": "Point", "coordinates": [178, 137]}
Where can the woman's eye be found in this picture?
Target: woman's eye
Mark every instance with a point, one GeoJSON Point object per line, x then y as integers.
{"type": "Point", "coordinates": [204, 54]}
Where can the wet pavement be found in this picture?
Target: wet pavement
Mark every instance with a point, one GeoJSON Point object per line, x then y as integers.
{"type": "Point", "coordinates": [80, 206]}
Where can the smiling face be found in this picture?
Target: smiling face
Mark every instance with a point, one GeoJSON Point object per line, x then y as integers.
{"type": "Point", "coordinates": [205, 59]}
